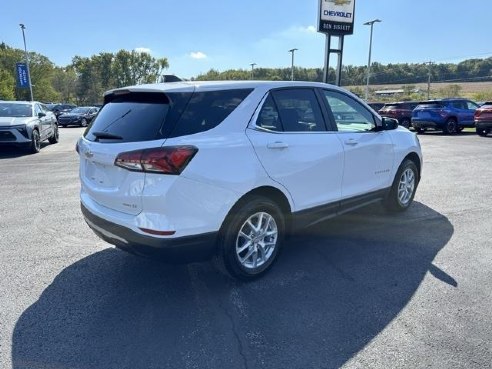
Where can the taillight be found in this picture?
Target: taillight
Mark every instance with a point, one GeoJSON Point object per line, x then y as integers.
{"type": "Point", "coordinates": [162, 160]}
{"type": "Point", "coordinates": [478, 112]}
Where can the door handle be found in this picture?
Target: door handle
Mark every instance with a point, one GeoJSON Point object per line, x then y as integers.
{"type": "Point", "coordinates": [351, 142]}
{"type": "Point", "coordinates": [277, 145]}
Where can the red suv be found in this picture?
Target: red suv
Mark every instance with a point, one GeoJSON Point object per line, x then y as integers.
{"type": "Point", "coordinates": [402, 111]}
{"type": "Point", "coordinates": [483, 119]}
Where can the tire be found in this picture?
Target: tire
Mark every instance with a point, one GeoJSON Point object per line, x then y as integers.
{"type": "Point", "coordinates": [419, 130]}
{"type": "Point", "coordinates": [404, 187]}
{"type": "Point", "coordinates": [451, 127]}
{"type": "Point", "coordinates": [83, 122]}
{"type": "Point", "coordinates": [482, 132]}
{"type": "Point", "coordinates": [55, 137]}
{"type": "Point", "coordinates": [405, 123]}
{"type": "Point", "coordinates": [259, 222]}
{"type": "Point", "coordinates": [35, 146]}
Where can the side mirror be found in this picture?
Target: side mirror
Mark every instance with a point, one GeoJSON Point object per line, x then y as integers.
{"type": "Point", "coordinates": [389, 124]}
{"type": "Point", "coordinates": [41, 115]}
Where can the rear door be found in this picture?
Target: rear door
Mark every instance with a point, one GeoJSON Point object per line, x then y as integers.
{"type": "Point", "coordinates": [297, 149]}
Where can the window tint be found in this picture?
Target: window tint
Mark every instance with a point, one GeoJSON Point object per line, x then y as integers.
{"type": "Point", "coordinates": [298, 110]}
{"type": "Point", "coordinates": [207, 110]}
{"type": "Point", "coordinates": [138, 116]}
{"type": "Point", "coordinates": [471, 105]}
{"type": "Point", "coordinates": [349, 115]}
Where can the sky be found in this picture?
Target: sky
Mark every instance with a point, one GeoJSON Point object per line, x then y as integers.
{"type": "Point", "coordinates": [196, 36]}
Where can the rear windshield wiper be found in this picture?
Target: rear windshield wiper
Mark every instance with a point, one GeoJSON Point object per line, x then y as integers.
{"type": "Point", "coordinates": [106, 135]}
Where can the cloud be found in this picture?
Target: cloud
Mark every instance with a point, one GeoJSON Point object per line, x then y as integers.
{"type": "Point", "coordinates": [143, 50]}
{"type": "Point", "coordinates": [198, 55]}
{"type": "Point", "coordinates": [308, 29]}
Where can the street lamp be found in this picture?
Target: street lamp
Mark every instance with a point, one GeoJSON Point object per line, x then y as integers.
{"type": "Point", "coordinates": [252, 70]}
{"type": "Point", "coordinates": [292, 51]}
{"type": "Point", "coordinates": [370, 23]}
{"type": "Point", "coordinates": [27, 60]}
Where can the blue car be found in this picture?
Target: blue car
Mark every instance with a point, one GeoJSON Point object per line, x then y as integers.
{"type": "Point", "coordinates": [447, 115]}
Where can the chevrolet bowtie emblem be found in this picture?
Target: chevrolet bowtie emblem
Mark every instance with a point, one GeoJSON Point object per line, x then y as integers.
{"type": "Point", "coordinates": [340, 2]}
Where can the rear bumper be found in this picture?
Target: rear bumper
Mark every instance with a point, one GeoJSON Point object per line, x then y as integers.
{"type": "Point", "coordinates": [180, 249]}
{"type": "Point", "coordinates": [483, 125]}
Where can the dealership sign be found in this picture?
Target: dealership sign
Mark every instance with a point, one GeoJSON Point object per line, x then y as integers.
{"type": "Point", "coordinates": [22, 75]}
{"type": "Point", "coordinates": [336, 17]}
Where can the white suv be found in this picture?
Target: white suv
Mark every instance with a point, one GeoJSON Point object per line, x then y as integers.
{"type": "Point", "coordinates": [195, 169]}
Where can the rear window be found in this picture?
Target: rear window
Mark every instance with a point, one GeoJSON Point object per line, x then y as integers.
{"type": "Point", "coordinates": [136, 117]}
{"type": "Point", "coordinates": [430, 105]}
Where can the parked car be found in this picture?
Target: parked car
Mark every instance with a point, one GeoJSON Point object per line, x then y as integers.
{"type": "Point", "coordinates": [26, 124]}
{"type": "Point", "coordinates": [447, 115]}
{"type": "Point", "coordinates": [80, 116]}
{"type": "Point", "coordinates": [483, 119]}
{"type": "Point", "coordinates": [401, 111]}
{"type": "Point", "coordinates": [59, 109]}
{"type": "Point", "coordinates": [230, 168]}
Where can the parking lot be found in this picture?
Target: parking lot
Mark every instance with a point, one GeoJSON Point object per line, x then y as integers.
{"type": "Point", "coordinates": [361, 291]}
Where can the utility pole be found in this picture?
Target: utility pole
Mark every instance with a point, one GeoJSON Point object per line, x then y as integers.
{"type": "Point", "coordinates": [292, 51]}
{"type": "Point", "coordinates": [252, 70]}
{"type": "Point", "coordinates": [429, 63]}
{"type": "Point", "coordinates": [27, 60]}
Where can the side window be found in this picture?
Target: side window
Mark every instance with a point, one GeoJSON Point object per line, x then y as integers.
{"type": "Point", "coordinates": [206, 110]}
{"type": "Point", "coordinates": [349, 114]}
{"type": "Point", "coordinates": [471, 105]}
{"type": "Point", "coordinates": [298, 110]}
{"type": "Point", "coordinates": [268, 117]}
{"type": "Point", "coordinates": [37, 109]}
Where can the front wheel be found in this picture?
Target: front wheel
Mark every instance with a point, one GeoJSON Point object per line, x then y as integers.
{"type": "Point", "coordinates": [404, 187]}
{"type": "Point", "coordinates": [83, 122]}
{"type": "Point", "coordinates": [251, 238]}
{"type": "Point", "coordinates": [35, 146]}
{"type": "Point", "coordinates": [55, 137]}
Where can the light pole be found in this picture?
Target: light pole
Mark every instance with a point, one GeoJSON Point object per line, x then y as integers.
{"type": "Point", "coordinates": [292, 51]}
{"type": "Point", "coordinates": [252, 70]}
{"type": "Point", "coordinates": [27, 60]}
{"type": "Point", "coordinates": [370, 23]}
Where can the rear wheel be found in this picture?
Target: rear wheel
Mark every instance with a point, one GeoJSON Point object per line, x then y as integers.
{"type": "Point", "coordinates": [451, 127]}
{"type": "Point", "coordinates": [482, 131]}
{"type": "Point", "coordinates": [405, 123]}
{"type": "Point", "coordinates": [83, 122]}
{"type": "Point", "coordinates": [35, 146]}
{"type": "Point", "coordinates": [403, 189]}
{"type": "Point", "coordinates": [251, 238]}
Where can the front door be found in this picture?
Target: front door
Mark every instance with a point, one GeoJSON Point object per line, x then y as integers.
{"type": "Point", "coordinates": [368, 155]}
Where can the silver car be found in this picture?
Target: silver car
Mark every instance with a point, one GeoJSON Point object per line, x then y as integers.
{"type": "Point", "coordinates": [27, 124]}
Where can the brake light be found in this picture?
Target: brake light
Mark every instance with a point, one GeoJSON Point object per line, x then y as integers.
{"type": "Point", "coordinates": [161, 160]}
{"type": "Point", "coordinates": [478, 112]}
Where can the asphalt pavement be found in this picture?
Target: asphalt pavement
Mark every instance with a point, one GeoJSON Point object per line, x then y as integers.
{"type": "Point", "coordinates": [365, 290]}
